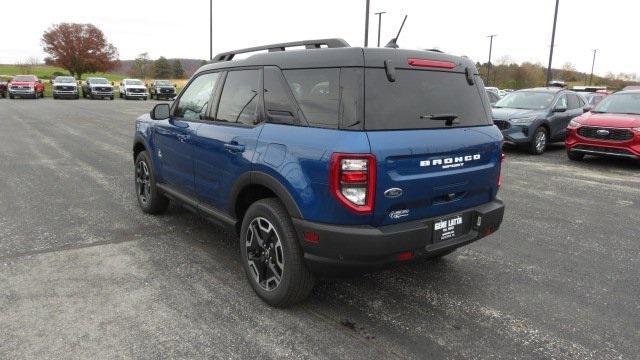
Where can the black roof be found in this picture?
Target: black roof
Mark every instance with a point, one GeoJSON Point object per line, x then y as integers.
{"type": "Point", "coordinates": [337, 54]}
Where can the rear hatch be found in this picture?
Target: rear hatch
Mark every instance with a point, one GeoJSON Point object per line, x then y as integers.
{"type": "Point", "coordinates": [430, 130]}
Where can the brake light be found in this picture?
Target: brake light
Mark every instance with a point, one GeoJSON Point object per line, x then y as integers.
{"type": "Point", "coordinates": [352, 180]}
{"type": "Point", "coordinates": [500, 170]}
{"type": "Point", "coordinates": [431, 63]}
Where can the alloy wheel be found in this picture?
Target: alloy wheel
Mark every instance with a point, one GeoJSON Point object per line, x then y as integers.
{"type": "Point", "coordinates": [143, 182]}
{"type": "Point", "coordinates": [541, 141]}
{"type": "Point", "coordinates": [265, 255]}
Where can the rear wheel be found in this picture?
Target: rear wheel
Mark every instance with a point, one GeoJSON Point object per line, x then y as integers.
{"type": "Point", "coordinates": [271, 255]}
{"type": "Point", "coordinates": [11, 96]}
{"type": "Point", "coordinates": [575, 156]}
{"type": "Point", "coordinates": [149, 198]}
{"type": "Point", "coordinates": [540, 140]}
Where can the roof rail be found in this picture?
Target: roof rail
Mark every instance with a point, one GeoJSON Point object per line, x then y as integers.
{"type": "Point", "coordinates": [309, 44]}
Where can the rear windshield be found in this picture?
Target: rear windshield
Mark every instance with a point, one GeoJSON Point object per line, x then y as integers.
{"type": "Point", "coordinates": [422, 99]}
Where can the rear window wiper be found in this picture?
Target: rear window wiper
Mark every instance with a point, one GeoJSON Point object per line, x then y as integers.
{"type": "Point", "coordinates": [448, 118]}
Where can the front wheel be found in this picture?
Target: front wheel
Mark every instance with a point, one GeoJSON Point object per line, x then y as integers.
{"type": "Point", "coordinates": [539, 143]}
{"type": "Point", "coordinates": [271, 255]}
{"type": "Point", "coordinates": [151, 201]}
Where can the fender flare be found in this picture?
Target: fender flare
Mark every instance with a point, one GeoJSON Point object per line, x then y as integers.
{"type": "Point", "coordinates": [271, 183]}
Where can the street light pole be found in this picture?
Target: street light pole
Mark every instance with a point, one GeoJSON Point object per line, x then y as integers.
{"type": "Point", "coordinates": [489, 65]}
{"type": "Point", "coordinates": [366, 26]}
{"type": "Point", "coordinates": [593, 64]}
{"type": "Point", "coordinates": [553, 39]}
{"type": "Point", "coordinates": [210, 30]}
{"type": "Point", "coordinates": [379, 24]}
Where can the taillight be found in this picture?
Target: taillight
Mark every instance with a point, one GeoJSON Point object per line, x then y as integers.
{"type": "Point", "coordinates": [352, 180]}
{"type": "Point", "coordinates": [500, 170]}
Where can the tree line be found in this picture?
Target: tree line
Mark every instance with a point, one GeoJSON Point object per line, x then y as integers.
{"type": "Point", "coordinates": [506, 74]}
{"type": "Point", "coordinates": [83, 49]}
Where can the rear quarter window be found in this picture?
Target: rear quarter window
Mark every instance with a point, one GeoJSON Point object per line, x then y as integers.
{"type": "Point", "coordinates": [403, 104]}
{"type": "Point", "coordinates": [317, 91]}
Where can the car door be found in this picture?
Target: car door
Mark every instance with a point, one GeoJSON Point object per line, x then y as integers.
{"type": "Point", "coordinates": [560, 117]}
{"type": "Point", "coordinates": [224, 148]}
{"type": "Point", "coordinates": [175, 135]}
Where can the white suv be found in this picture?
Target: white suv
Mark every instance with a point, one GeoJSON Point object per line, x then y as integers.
{"type": "Point", "coordinates": [133, 89]}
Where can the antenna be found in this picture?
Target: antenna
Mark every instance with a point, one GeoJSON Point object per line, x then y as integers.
{"type": "Point", "coordinates": [394, 42]}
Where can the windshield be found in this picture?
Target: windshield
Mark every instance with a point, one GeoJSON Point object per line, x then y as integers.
{"type": "Point", "coordinates": [99, 81]}
{"type": "Point", "coordinates": [134, 82]}
{"type": "Point", "coordinates": [163, 82]}
{"type": "Point", "coordinates": [528, 100]}
{"type": "Point", "coordinates": [620, 104]}
{"type": "Point", "coordinates": [422, 99]}
{"type": "Point", "coordinates": [24, 78]}
{"type": "Point", "coordinates": [65, 79]}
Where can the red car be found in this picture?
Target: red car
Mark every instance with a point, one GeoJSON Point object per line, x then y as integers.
{"type": "Point", "coordinates": [612, 128]}
{"type": "Point", "coordinates": [26, 86]}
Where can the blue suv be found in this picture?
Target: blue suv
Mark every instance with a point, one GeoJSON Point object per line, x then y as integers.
{"type": "Point", "coordinates": [327, 159]}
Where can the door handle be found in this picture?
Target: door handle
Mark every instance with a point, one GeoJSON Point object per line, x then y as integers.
{"type": "Point", "coordinates": [234, 147]}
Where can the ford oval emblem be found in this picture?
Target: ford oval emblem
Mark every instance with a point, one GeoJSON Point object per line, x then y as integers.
{"type": "Point", "coordinates": [393, 192]}
{"type": "Point", "coordinates": [603, 132]}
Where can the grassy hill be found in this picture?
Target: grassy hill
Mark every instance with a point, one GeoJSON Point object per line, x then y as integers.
{"type": "Point", "coordinates": [46, 72]}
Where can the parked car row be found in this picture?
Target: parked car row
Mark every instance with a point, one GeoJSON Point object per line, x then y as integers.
{"type": "Point", "coordinates": [589, 124]}
{"type": "Point", "coordinates": [29, 86]}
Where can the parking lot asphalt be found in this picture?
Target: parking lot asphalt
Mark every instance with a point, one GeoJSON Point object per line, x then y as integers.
{"type": "Point", "coordinates": [85, 274]}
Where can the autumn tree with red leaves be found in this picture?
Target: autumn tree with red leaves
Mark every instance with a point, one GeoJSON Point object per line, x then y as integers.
{"type": "Point", "coordinates": [79, 48]}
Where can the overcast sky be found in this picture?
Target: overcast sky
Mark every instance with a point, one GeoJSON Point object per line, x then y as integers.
{"type": "Point", "coordinates": [180, 28]}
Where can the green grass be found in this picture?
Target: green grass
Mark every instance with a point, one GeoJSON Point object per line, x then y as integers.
{"type": "Point", "coordinates": [45, 72]}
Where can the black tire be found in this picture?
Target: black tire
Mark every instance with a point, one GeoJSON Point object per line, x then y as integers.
{"type": "Point", "coordinates": [35, 96]}
{"type": "Point", "coordinates": [575, 156]}
{"type": "Point", "coordinates": [77, 97]}
{"type": "Point", "coordinates": [111, 97]}
{"type": "Point", "coordinates": [295, 280]}
{"type": "Point", "coordinates": [11, 96]}
{"type": "Point", "coordinates": [149, 198]}
{"type": "Point", "coordinates": [55, 97]}
{"type": "Point", "coordinates": [539, 141]}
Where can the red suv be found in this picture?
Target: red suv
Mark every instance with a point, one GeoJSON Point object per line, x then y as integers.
{"type": "Point", "coordinates": [612, 128]}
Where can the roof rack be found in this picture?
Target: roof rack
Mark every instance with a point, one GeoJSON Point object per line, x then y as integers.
{"type": "Point", "coordinates": [309, 44]}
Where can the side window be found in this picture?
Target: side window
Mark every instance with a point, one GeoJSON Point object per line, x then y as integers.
{"type": "Point", "coordinates": [193, 102]}
{"type": "Point", "coordinates": [562, 102]}
{"type": "Point", "coordinates": [277, 100]}
{"type": "Point", "coordinates": [574, 102]}
{"type": "Point", "coordinates": [239, 99]}
{"type": "Point", "coordinates": [317, 91]}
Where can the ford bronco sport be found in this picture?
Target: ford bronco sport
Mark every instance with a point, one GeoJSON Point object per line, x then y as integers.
{"type": "Point", "coordinates": [327, 159]}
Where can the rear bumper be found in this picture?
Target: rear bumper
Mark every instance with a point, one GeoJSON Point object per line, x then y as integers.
{"type": "Point", "coordinates": [622, 149]}
{"type": "Point", "coordinates": [342, 248]}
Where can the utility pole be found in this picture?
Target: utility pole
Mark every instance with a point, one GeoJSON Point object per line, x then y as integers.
{"type": "Point", "coordinates": [210, 30]}
{"type": "Point", "coordinates": [366, 26]}
{"type": "Point", "coordinates": [490, 50]}
{"type": "Point", "coordinates": [593, 64]}
{"type": "Point", "coordinates": [379, 24]}
{"type": "Point", "coordinates": [553, 39]}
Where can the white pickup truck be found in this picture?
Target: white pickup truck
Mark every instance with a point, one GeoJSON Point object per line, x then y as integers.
{"type": "Point", "coordinates": [133, 89]}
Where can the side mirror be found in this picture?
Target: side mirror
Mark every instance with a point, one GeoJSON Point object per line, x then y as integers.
{"type": "Point", "coordinates": [50, 81]}
{"type": "Point", "coordinates": [160, 112]}
{"type": "Point", "coordinates": [559, 109]}
{"type": "Point", "coordinates": [587, 108]}
{"type": "Point", "coordinates": [112, 83]}
{"type": "Point", "coordinates": [175, 85]}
